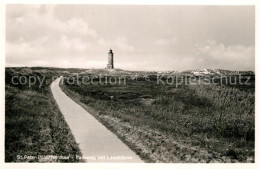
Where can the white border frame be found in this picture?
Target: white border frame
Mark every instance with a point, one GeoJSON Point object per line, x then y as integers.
{"type": "Point", "coordinates": [121, 165]}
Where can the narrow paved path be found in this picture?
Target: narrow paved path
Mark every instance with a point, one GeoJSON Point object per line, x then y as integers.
{"type": "Point", "coordinates": [96, 142]}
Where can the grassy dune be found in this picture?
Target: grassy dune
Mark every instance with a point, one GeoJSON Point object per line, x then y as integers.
{"type": "Point", "coordinates": [163, 123]}
{"type": "Point", "coordinates": [33, 123]}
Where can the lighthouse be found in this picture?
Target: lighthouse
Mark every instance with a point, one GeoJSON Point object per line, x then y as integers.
{"type": "Point", "coordinates": [110, 64]}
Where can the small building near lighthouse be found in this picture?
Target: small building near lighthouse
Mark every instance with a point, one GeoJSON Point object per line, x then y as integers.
{"type": "Point", "coordinates": [110, 64]}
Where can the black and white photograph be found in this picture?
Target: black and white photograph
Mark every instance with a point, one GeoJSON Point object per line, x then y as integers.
{"type": "Point", "coordinates": [129, 83]}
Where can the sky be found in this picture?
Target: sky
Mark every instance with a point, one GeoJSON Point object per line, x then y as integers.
{"type": "Point", "coordinates": [142, 37]}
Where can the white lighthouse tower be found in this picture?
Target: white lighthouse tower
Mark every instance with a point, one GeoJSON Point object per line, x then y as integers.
{"type": "Point", "coordinates": [110, 64]}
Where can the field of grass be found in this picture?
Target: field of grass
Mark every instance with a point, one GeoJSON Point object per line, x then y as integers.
{"type": "Point", "coordinates": [162, 123]}
{"type": "Point", "coordinates": [33, 123]}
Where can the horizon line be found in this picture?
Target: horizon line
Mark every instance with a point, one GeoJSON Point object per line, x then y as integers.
{"type": "Point", "coordinates": [126, 69]}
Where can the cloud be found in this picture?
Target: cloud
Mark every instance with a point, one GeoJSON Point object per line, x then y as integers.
{"type": "Point", "coordinates": [120, 44]}
{"type": "Point", "coordinates": [166, 41]}
{"type": "Point", "coordinates": [35, 24]}
{"type": "Point", "coordinates": [164, 38]}
{"type": "Point", "coordinates": [217, 55]}
{"type": "Point", "coordinates": [36, 36]}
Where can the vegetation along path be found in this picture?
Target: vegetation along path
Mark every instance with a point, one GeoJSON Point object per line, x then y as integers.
{"type": "Point", "coordinates": [96, 142]}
